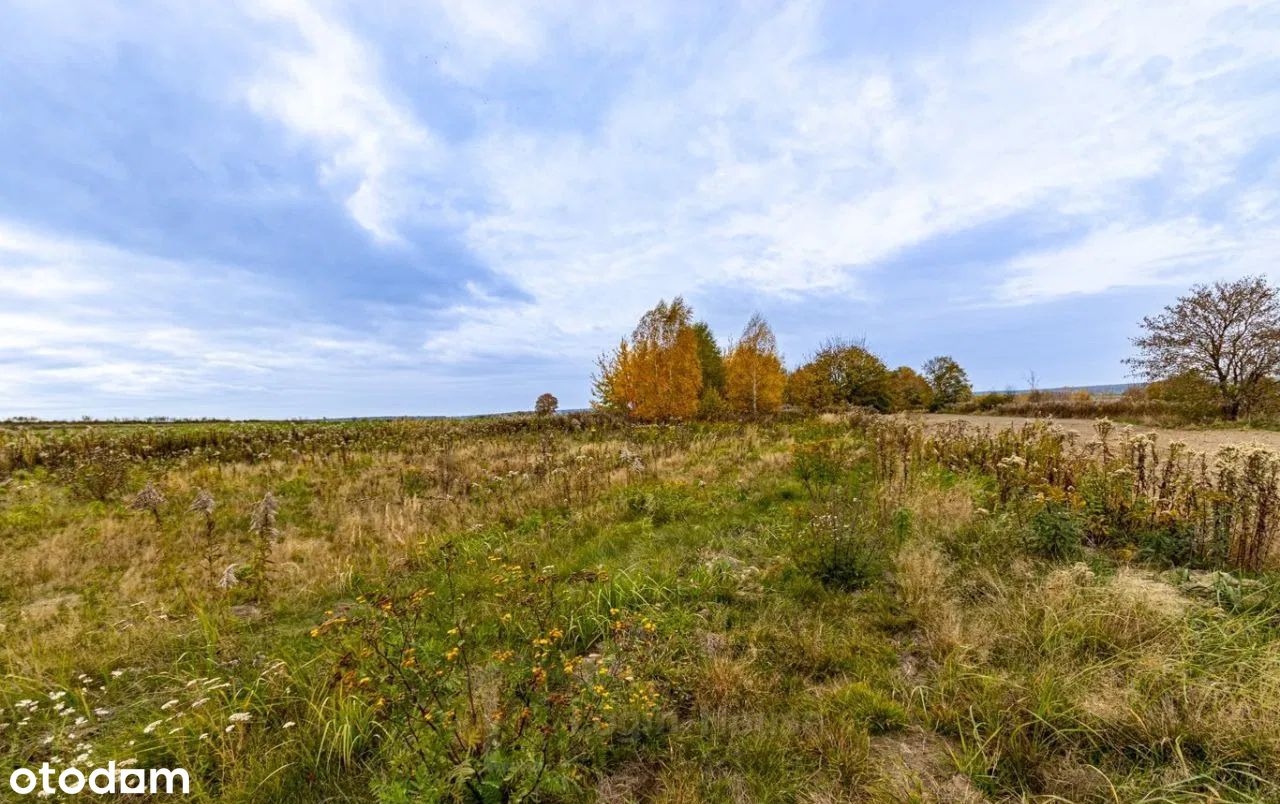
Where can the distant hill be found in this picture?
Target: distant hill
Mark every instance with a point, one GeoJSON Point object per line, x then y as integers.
{"type": "Point", "coordinates": [1114, 389]}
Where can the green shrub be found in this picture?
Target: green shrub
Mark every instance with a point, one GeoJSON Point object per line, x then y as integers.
{"type": "Point", "coordinates": [1171, 545]}
{"type": "Point", "coordinates": [816, 464]}
{"type": "Point", "coordinates": [1055, 532]}
{"type": "Point", "coordinates": [839, 554]}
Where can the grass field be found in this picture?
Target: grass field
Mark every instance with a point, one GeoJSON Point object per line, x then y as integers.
{"type": "Point", "coordinates": [566, 609]}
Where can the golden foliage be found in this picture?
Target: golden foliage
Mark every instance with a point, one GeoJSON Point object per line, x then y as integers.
{"type": "Point", "coordinates": [754, 376]}
{"type": "Point", "coordinates": [657, 375]}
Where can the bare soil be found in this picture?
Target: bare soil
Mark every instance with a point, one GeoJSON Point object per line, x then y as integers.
{"type": "Point", "coordinates": [1199, 440]}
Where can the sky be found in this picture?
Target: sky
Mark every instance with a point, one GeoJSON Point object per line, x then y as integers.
{"type": "Point", "coordinates": [299, 208]}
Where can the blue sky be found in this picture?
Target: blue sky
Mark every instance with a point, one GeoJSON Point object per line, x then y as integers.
{"type": "Point", "coordinates": [295, 208]}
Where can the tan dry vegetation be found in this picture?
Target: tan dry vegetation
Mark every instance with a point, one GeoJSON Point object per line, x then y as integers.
{"type": "Point", "coordinates": [1199, 440]}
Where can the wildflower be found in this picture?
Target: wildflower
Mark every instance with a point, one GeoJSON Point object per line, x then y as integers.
{"type": "Point", "coordinates": [167, 705]}
{"type": "Point", "coordinates": [150, 727]}
{"type": "Point", "coordinates": [451, 654]}
{"type": "Point", "coordinates": [289, 725]}
{"type": "Point", "coordinates": [199, 702]}
{"type": "Point", "coordinates": [240, 717]}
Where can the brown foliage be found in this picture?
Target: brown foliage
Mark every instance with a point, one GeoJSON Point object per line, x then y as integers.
{"type": "Point", "coordinates": [908, 390]}
{"type": "Point", "coordinates": [840, 374]}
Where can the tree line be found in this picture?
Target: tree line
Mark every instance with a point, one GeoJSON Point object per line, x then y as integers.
{"type": "Point", "coordinates": [672, 367]}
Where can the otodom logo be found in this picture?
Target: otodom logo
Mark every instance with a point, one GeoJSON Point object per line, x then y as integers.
{"type": "Point", "coordinates": [106, 780]}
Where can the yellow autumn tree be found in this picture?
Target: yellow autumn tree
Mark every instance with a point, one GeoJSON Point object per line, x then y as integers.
{"type": "Point", "coordinates": [754, 376]}
{"type": "Point", "coordinates": [657, 374]}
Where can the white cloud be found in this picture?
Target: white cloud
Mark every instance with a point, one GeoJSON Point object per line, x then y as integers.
{"type": "Point", "coordinates": [88, 320]}
{"type": "Point", "coordinates": [327, 90]}
{"type": "Point", "coordinates": [1166, 253]}
{"type": "Point", "coordinates": [760, 163]}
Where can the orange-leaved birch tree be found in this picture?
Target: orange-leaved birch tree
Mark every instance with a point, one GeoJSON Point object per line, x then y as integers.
{"type": "Point", "coordinates": [754, 376]}
{"type": "Point", "coordinates": [657, 374]}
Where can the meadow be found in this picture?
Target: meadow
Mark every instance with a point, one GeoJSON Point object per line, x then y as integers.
{"type": "Point", "coordinates": [574, 608]}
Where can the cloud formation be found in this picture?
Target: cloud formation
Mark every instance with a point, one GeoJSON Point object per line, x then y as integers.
{"type": "Point", "coordinates": [456, 201]}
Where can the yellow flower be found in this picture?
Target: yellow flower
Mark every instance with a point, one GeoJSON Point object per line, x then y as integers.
{"type": "Point", "coordinates": [451, 654]}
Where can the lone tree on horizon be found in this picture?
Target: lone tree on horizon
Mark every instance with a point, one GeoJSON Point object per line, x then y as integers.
{"type": "Point", "coordinates": [1227, 333]}
{"type": "Point", "coordinates": [546, 405]}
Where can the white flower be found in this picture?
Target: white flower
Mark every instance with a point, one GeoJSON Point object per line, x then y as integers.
{"type": "Point", "coordinates": [151, 727]}
{"type": "Point", "coordinates": [169, 705]}
{"type": "Point", "coordinates": [199, 702]}
{"type": "Point", "coordinates": [230, 728]}
{"type": "Point", "coordinates": [240, 717]}
{"type": "Point", "coordinates": [289, 725]}
{"type": "Point", "coordinates": [117, 673]}
{"type": "Point", "coordinates": [102, 711]}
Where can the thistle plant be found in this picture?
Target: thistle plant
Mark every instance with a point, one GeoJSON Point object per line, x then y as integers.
{"type": "Point", "coordinates": [264, 530]}
{"type": "Point", "coordinates": [203, 504]}
{"type": "Point", "coordinates": [149, 499]}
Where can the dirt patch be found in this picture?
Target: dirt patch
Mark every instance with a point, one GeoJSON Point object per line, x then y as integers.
{"type": "Point", "coordinates": [916, 765]}
{"type": "Point", "coordinates": [1198, 440]}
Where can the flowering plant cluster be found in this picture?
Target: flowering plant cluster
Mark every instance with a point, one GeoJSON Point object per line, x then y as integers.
{"type": "Point", "coordinates": [495, 688]}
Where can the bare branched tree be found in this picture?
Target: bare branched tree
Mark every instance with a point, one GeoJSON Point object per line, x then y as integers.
{"type": "Point", "coordinates": [1228, 333]}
